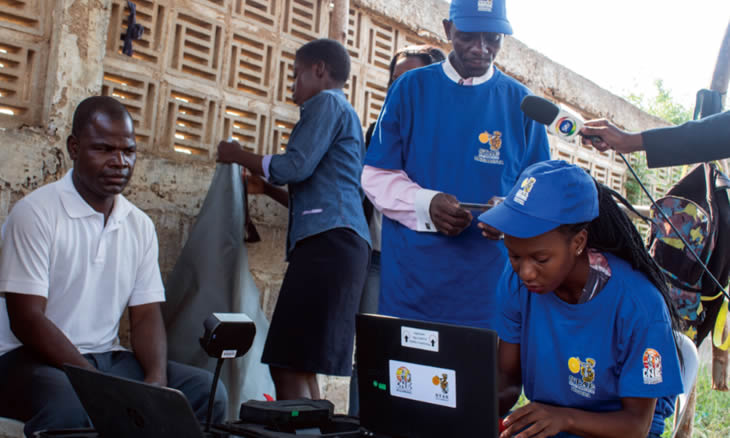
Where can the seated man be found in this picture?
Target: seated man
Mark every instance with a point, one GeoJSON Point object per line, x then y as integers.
{"type": "Point", "coordinates": [75, 254]}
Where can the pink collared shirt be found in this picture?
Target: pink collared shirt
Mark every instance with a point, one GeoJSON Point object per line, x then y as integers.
{"type": "Point", "coordinates": [393, 192]}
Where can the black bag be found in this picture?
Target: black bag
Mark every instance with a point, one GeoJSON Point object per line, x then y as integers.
{"type": "Point", "coordinates": [698, 206]}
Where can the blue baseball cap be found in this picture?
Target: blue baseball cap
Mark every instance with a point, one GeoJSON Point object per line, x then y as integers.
{"type": "Point", "coordinates": [480, 16]}
{"type": "Point", "coordinates": [547, 194]}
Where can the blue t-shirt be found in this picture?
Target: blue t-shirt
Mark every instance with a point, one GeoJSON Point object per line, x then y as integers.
{"type": "Point", "coordinates": [588, 356]}
{"type": "Point", "coordinates": [469, 141]}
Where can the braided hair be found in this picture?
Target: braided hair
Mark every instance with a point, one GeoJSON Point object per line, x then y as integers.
{"type": "Point", "coordinates": [612, 231]}
{"type": "Point", "coordinates": [427, 54]}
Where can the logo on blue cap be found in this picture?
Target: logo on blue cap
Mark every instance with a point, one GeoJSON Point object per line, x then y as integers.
{"type": "Point", "coordinates": [485, 5]}
{"type": "Point", "coordinates": [559, 193]}
{"type": "Point", "coordinates": [525, 188]}
{"type": "Point", "coordinates": [480, 16]}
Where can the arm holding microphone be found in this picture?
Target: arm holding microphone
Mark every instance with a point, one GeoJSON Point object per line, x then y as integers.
{"type": "Point", "coordinates": [692, 142]}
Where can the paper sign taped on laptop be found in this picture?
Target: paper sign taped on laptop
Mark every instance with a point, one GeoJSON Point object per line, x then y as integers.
{"type": "Point", "coordinates": [423, 383]}
{"type": "Point", "coordinates": [421, 339]}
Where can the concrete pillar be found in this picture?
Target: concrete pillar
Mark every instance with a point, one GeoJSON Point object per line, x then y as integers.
{"type": "Point", "coordinates": [339, 20]}
{"type": "Point", "coordinates": [76, 61]}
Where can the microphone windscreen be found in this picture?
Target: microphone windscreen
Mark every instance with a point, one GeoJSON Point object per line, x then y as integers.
{"type": "Point", "coordinates": [539, 109]}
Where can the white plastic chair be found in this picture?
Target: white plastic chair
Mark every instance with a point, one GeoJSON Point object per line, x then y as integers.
{"type": "Point", "coordinates": [691, 364]}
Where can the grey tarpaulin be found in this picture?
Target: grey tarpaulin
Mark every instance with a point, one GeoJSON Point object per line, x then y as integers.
{"type": "Point", "coordinates": [212, 275]}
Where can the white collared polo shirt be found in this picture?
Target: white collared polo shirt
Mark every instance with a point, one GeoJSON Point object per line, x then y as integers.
{"type": "Point", "coordinates": [56, 246]}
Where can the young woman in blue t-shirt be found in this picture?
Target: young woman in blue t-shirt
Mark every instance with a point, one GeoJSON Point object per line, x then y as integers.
{"type": "Point", "coordinates": [586, 326]}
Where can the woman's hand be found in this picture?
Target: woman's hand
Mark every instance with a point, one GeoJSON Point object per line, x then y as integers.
{"type": "Point", "coordinates": [538, 420]}
{"type": "Point", "coordinates": [255, 185]}
{"type": "Point", "coordinates": [228, 152]}
{"type": "Point", "coordinates": [489, 232]}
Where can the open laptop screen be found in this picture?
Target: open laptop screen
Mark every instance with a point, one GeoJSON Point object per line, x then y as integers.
{"type": "Point", "coordinates": [123, 408]}
{"type": "Point", "coordinates": [419, 379]}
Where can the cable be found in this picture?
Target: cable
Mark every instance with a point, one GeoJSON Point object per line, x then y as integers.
{"type": "Point", "coordinates": [211, 399]}
{"type": "Point", "coordinates": [688, 246]}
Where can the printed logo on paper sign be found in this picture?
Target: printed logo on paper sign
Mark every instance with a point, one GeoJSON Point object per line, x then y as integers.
{"type": "Point", "coordinates": [422, 383]}
{"type": "Point", "coordinates": [525, 188]}
{"type": "Point", "coordinates": [652, 367]}
{"type": "Point", "coordinates": [403, 380]}
{"type": "Point", "coordinates": [442, 382]}
{"type": "Point", "coordinates": [582, 385]}
{"type": "Point", "coordinates": [485, 5]}
{"type": "Point", "coordinates": [491, 155]}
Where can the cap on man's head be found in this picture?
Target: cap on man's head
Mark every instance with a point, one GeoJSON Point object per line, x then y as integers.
{"type": "Point", "coordinates": [547, 194]}
{"type": "Point", "coordinates": [480, 16]}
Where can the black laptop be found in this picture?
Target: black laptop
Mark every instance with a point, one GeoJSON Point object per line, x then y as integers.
{"type": "Point", "coordinates": [123, 408]}
{"type": "Point", "coordinates": [421, 380]}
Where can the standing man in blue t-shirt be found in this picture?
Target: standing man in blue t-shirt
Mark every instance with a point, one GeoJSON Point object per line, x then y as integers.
{"type": "Point", "coordinates": [448, 133]}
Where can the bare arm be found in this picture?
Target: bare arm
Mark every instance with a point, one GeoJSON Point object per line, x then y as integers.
{"type": "Point", "coordinates": [632, 421]}
{"type": "Point", "coordinates": [149, 341]}
{"type": "Point", "coordinates": [510, 376]}
{"type": "Point", "coordinates": [257, 185]}
{"type": "Point", "coordinates": [30, 325]}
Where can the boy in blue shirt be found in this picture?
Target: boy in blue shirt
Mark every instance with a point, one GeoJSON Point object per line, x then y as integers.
{"type": "Point", "coordinates": [586, 325]}
{"type": "Point", "coordinates": [328, 245]}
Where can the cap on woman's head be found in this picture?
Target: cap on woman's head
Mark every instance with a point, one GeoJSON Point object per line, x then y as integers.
{"type": "Point", "coordinates": [547, 194]}
{"type": "Point", "coordinates": [480, 16]}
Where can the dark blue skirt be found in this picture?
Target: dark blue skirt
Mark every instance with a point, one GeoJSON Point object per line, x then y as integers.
{"type": "Point", "coordinates": [313, 326]}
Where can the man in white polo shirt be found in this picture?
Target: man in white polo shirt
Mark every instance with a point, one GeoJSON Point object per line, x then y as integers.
{"type": "Point", "coordinates": [75, 255]}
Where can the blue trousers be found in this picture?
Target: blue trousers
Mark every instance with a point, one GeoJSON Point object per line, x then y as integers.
{"type": "Point", "coordinates": [42, 396]}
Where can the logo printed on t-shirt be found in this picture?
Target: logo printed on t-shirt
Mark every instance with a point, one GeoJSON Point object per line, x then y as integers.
{"type": "Point", "coordinates": [491, 155]}
{"type": "Point", "coordinates": [582, 385]}
{"type": "Point", "coordinates": [485, 5]}
{"type": "Point", "coordinates": [652, 367]}
{"type": "Point", "coordinates": [525, 188]}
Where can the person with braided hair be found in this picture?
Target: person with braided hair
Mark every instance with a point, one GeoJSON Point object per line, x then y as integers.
{"type": "Point", "coordinates": [586, 325]}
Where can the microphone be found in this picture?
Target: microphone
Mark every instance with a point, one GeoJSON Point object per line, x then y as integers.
{"type": "Point", "coordinates": [560, 121]}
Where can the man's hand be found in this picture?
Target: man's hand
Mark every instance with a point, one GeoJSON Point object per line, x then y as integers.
{"type": "Point", "coordinates": [543, 421]}
{"type": "Point", "coordinates": [149, 341]}
{"type": "Point", "coordinates": [610, 137]}
{"type": "Point", "coordinates": [490, 232]}
{"type": "Point", "coordinates": [446, 215]}
{"type": "Point", "coordinates": [156, 380]}
{"type": "Point", "coordinates": [228, 152]}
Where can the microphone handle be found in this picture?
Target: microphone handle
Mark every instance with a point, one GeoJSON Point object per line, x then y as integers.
{"type": "Point", "coordinates": [593, 138]}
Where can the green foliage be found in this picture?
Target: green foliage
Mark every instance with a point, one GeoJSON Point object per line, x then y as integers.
{"type": "Point", "coordinates": [711, 419]}
{"type": "Point", "coordinates": [662, 105]}
{"type": "Point", "coordinates": [634, 194]}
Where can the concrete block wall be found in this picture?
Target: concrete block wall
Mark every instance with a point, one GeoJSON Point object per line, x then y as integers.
{"type": "Point", "coordinates": [210, 69]}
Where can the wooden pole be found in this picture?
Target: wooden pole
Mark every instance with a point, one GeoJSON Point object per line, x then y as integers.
{"type": "Point", "coordinates": [721, 76]}
{"type": "Point", "coordinates": [720, 79]}
{"type": "Point", "coordinates": [339, 19]}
